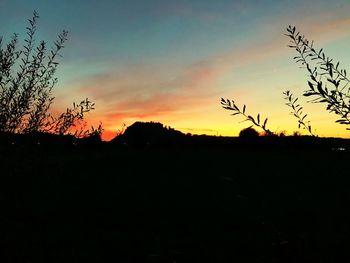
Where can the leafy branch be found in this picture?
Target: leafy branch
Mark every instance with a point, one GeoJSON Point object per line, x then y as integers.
{"type": "Point", "coordinates": [297, 112]}
{"type": "Point", "coordinates": [232, 106]}
{"type": "Point", "coordinates": [328, 83]}
{"type": "Point", "coordinates": [27, 78]}
{"type": "Point", "coordinates": [71, 121]}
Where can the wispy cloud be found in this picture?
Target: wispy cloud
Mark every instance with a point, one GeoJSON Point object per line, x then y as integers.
{"type": "Point", "coordinates": [167, 92]}
{"type": "Point", "coordinates": [147, 92]}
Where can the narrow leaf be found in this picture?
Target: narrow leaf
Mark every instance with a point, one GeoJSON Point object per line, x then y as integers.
{"type": "Point", "coordinates": [311, 85]}
{"type": "Point", "coordinates": [264, 125]}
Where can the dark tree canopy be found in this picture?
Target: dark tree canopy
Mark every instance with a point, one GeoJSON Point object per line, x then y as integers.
{"type": "Point", "coordinates": [248, 133]}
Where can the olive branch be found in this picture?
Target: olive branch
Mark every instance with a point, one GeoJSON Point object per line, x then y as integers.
{"type": "Point", "coordinates": [297, 112]}
{"type": "Point", "coordinates": [232, 106]}
{"type": "Point", "coordinates": [328, 83]}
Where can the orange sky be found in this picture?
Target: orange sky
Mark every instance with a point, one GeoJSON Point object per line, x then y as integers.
{"type": "Point", "coordinates": [187, 97]}
{"type": "Point", "coordinates": [173, 61]}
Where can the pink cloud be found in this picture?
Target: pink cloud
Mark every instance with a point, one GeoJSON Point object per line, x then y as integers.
{"type": "Point", "coordinates": [169, 92]}
{"type": "Point", "coordinates": [165, 92]}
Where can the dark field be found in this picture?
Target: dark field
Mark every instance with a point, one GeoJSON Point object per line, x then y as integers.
{"type": "Point", "coordinates": [108, 203]}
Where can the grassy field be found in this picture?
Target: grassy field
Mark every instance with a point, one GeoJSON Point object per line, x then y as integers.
{"type": "Point", "coordinates": [113, 204]}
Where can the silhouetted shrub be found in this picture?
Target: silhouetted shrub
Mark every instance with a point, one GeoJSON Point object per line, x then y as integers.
{"type": "Point", "coordinates": [296, 134]}
{"type": "Point", "coordinates": [282, 134]}
{"type": "Point", "coordinates": [27, 77]}
{"type": "Point", "coordinates": [248, 133]}
{"type": "Point", "coordinates": [148, 134]}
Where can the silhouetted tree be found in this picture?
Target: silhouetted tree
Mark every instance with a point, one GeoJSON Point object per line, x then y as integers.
{"type": "Point", "coordinates": [248, 133]}
{"type": "Point", "coordinates": [148, 133]}
{"type": "Point", "coordinates": [27, 77]}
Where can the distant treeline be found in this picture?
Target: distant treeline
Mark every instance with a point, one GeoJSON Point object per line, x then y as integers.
{"type": "Point", "coordinates": [156, 135]}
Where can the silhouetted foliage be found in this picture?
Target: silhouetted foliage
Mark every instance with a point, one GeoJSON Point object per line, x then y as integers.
{"type": "Point", "coordinates": [25, 94]}
{"type": "Point", "coordinates": [282, 134]}
{"type": "Point", "coordinates": [248, 133]}
{"type": "Point", "coordinates": [148, 133]}
{"type": "Point", "coordinates": [328, 83]}
{"type": "Point", "coordinates": [298, 112]}
{"type": "Point", "coordinates": [232, 106]}
{"type": "Point", "coordinates": [296, 133]}
{"type": "Point", "coordinates": [27, 78]}
{"type": "Point", "coordinates": [74, 118]}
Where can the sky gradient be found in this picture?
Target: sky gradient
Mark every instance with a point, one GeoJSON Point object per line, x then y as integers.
{"type": "Point", "coordinates": [172, 61]}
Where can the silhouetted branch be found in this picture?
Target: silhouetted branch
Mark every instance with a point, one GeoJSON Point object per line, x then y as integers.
{"type": "Point", "coordinates": [72, 118]}
{"type": "Point", "coordinates": [297, 112]}
{"type": "Point", "coordinates": [26, 81]}
{"type": "Point", "coordinates": [231, 105]}
{"type": "Point", "coordinates": [323, 74]}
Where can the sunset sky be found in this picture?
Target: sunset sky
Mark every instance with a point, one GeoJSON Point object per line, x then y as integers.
{"type": "Point", "coordinates": [172, 61]}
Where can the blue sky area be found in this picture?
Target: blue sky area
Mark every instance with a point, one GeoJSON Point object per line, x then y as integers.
{"type": "Point", "coordinates": [172, 61]}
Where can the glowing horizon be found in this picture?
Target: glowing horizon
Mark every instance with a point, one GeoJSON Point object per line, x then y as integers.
{"type": "Point", "coordinates": [172, 62]}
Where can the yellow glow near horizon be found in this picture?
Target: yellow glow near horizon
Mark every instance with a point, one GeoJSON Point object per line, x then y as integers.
{"type": "Point", "coordinates": [174, 68]}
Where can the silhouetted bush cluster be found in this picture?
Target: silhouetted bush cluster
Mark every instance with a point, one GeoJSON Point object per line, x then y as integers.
{"type": "Point", "coordinates": [27, 78]}
{"type": "Point", "coordinates": [149, 134]}
{"type": "Point", "coordinates": [248, 133]}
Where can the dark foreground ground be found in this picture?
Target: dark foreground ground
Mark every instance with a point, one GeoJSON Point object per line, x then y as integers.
{"type": "Point", "coordinates": [114, 204]}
